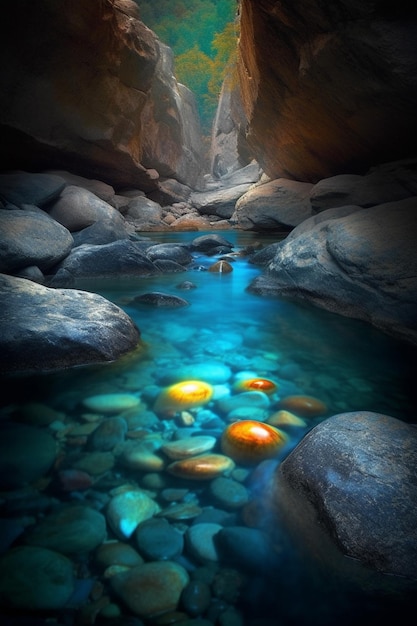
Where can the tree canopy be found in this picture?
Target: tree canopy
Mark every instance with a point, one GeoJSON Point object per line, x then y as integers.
{"type": "Point", "coordinates": [202, 35]}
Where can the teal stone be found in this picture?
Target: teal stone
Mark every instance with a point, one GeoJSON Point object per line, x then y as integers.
{"type": "Point", "coordinates": [111, 402]}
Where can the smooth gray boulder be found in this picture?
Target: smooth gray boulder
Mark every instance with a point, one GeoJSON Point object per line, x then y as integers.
{"type": "Point", "coordinates": [170, 251]}
{"type": "Point", "coordinates": [251, 173]}
{"type": "Point", "coordinates": [31, 238]}
{"type": "Point", "coordinates": [365, 191]}
{"type": "Point", "coordinates": [363, 266]}
{"type": "Point", "coordinates": [122, 257]}
{"type": "Point", "coordinates": [328, 214]}
{"type": "Point", "coordinates": [219, 202]}
{"type": "Point", "coordinates": [208, 243]}
{"type": "Point", "coordinates": [19, 188]}
{"type": "Point", "coordinates": [160, 299]}
{"type": "Point", "coordinates": [354, 478]}
{"type": "Point", "coordinates": [98, 187]}
{"type": "Point", "coordinates": [273, 205]}
{"type": "Point", "coordinates": [46, 329]}
{"type": "Point", "coordinates": [144, 213]}
{"type": "Point", "coordinates": [78, 208]}
{"type": "Point", "coordinates": [102, 232]}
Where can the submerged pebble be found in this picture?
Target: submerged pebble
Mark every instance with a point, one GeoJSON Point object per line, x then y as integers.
{"type": "Point", "coordinates": [201, 467]}
{"type": "Point", "coordinates": [108, 434]}
{"type": "Point", "coordinates": [127, 510]}
{"type": "Point", "coordinates": [111, 402]}
{"type": "Point", "coordinates": [71, 529]}
{"type": "Point", "coordinates": [190, 446]}
{"type": "Point", "coordinates": [34, 578]}
{"type": "Point", "coordinates": [200, 543]}
{"type": "Point", "coordinates": [117, 553]}
{"type": "Point", "coordinates": [158, 540]}
{"type": "Point", "coordinates": [303, 406]}
{"type": "Point", "coordinates": [196, 597]}
{"type": "Point", "coordinates": [151, 589]}
{"type": "Point", "coordinates": [228, 493]}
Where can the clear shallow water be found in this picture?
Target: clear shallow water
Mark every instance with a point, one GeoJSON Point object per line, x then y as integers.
{"type": "Point", "coordinates": [344, 363]}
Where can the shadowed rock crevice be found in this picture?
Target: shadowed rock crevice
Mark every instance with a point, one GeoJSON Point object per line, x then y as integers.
{"type": "Point", "coordinates": [339, 92]}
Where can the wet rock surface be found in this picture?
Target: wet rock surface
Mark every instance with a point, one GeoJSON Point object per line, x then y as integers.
{"type": "Point", "coordinates": [358, 473]}
{"type": "Point", "coordinates": [44, 328]}
{"type": "Point", "coordinates": [30, 238]}
{"type": "Point", "coordinates": [361, 265]}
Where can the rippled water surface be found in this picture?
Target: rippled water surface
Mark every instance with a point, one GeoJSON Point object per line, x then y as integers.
{"type": "Point", "coordinates": [344, 363]}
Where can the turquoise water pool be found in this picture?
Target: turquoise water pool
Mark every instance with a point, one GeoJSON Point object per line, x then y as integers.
{"type": "Point", "coordinates": [225, 333]}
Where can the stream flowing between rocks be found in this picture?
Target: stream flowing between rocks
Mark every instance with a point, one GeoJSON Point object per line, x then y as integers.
{"type": "Point", "coordinates": [110, 442]}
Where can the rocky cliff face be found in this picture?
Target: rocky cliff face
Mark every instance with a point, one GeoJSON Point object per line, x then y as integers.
{"type": "Point", "coordinates": [328, 87]}
{"type": "Point", "coordinates": [77, 83]}
{"type": "Point", "coordinates": [229, 148]}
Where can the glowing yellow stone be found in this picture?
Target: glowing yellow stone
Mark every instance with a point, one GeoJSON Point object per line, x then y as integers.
{"type": "Point", "coordinates": [248, 441]}
{"type": "Point", "coordinates": [256, 384]}
{"type": "Point", "coordinates": [184, 395]}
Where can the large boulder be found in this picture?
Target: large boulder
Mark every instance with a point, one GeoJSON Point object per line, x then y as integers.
{"type": "Point", "coordinates": [88, 96]}
{"type": "Point", "coordinates": [31, 238]}
{"type": "Point", "coordinates": [118, 258]}
{"type": "Point", "coordinates": [219, 202]}
{"type": "Point", "coordinates": [365, 191]}
{"type": "Point", "coordinates": [20, 188]}
{"type": "Point", "coordinates": [274, 205]}
{"type": "Point", "coordinates": [353, 479]}
{"type": "Point", "coordinates": [328, 88]}
{"type": "Point", "coordinates": [46, 329]}
{"type": "Point", "coordinates": [78, 208]}
{"type": "Point", "coordinates": [102, 232]}
{"type": "Point", "coordinates": [144, 213]}
{"type": "Point", "coordinates": [363, 265]}
{"type": "Point", "coordinates": [101, 190]}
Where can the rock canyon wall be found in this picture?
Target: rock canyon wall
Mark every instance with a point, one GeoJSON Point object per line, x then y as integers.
{"type": "Point", "coordinates": [86, 86]}
{"type": "Point", "coordinates": [328, 88]}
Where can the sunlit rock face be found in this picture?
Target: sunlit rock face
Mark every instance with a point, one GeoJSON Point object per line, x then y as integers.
{"type": "Point", "coordinates": [75, 81]}
{"type": "Point", "coordinates": [171, 129]}
{"type": "Point", "coordinates": [328, 87]}
{"type": "Point", "coordinates": [229, 148]}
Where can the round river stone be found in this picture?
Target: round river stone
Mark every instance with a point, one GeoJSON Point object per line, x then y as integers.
{"type": "Point", "coordinates": [33, 578]}
{"type": "Point", "coordinates": [151, 589]}
{"type": "Point", "coordinates": [72, 529]}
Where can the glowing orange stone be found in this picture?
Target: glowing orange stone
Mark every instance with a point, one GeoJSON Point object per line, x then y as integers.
{"type": "Point", "coordinates": [305, 406]}
{"type": "Point", "coordinates": [249, 442]}
{"type": "Point", "coordinates": [256, 384]}
{"type": "Point", "coordinates": [184, 395]}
